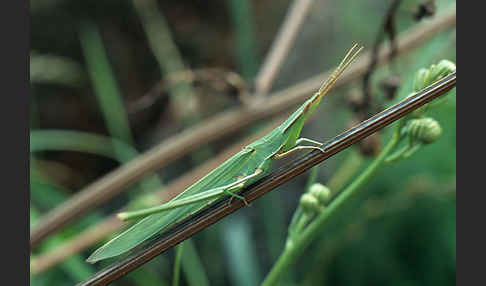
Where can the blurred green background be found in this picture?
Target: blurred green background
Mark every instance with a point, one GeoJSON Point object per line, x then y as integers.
{"type": "Point", "coordinates": [92, 63]}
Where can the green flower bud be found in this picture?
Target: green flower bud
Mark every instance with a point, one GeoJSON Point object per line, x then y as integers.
{"type": "Point", "coordinates": [420, 79]}
{"type": "Point", "coordinates": [442, 69]}
{"type": "Point", "coordinates": [309, 204]}
{"type": "Point", "coordinates": [425, 130]}
{"type": "Point", "coordinates": [426, 77]}
{"type": "Point", "coordinates": [321, 193]}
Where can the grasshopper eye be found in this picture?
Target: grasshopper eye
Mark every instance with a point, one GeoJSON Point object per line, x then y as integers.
{"type": "Point", "coordinates": [249, 149]}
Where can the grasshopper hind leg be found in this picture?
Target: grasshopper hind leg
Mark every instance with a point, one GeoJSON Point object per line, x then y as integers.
{"type": "Point", "coordinates": [233, 195]}
{"type": "Point", "coordinates": [295, 149]}
{"type": "Point", "coordinates": [240, 183]}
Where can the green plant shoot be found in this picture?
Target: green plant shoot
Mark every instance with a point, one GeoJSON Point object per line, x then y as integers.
{"type": "Point", "coordinates": [242, 169]}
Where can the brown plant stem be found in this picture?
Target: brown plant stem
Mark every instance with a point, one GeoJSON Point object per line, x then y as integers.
{"type": "Point", "coordinates": [281, 45]}
{"type": "Point", "coordinates": [388, 29]}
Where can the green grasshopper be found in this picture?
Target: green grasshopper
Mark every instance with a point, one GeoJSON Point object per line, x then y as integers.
{"type": "Point", "coordinates": [242, 169]}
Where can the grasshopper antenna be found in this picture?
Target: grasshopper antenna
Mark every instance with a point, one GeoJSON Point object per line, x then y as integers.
{"type": "Point", "coordinates": [348, 59]}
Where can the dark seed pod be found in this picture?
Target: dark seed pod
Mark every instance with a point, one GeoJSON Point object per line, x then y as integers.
{"type": "Point", "coordinates": [355, 99]}
{"type": "Point", "coordinates": [425, 9]}
{"type": "Point", "coordinates": [371, 145]}
{"type": "Point", "coordinates": [390, 86]}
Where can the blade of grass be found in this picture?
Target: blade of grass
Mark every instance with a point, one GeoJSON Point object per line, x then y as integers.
{"type": "Point", "coordinates": [51, 69]}
{"type": "Point", "coordinates": [147, 277]}
{"type": "Point", "coordinates": [192, 266]}
{"type": "Point", "coordinates": [104, 83]}
{"type": "Point", "coordinates": [79, 141]}
{"type": "Point", "coordinates": [242, 259]}
{"type": "Point", "coordinates": [177, 264]}
{"type": "Point", "coordinates": [75, 266]}
{"type": "Point", "coordinates": [242, 17]}
{"type": "Point", "coordinates": [168, 57]}
{"type": "Point", "coordinates": [47, 194]}
{"type": "Point", "coordinates": [109, 96]}
{"type": "Point", "coordinates": [43, 193]}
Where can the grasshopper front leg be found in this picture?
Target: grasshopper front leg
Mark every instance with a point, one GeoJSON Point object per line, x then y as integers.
{"type": "Point", "coordinates": [298, 148]}
{"type": "Point", "coordinates": [302, 139]}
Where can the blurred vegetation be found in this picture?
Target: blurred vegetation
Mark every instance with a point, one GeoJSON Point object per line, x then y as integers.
{"type": "Point", "coordinates": [93, 61]}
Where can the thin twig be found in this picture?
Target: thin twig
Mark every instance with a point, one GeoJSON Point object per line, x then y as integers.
{"type": "Point", "coordinates": [211, 129]}
{"type": "Point", "coordinates": [281, 46]}
{"type": "Point", "coordinates": [245, 44]}
{"type": "Point", "coordinates": [168, 57]}
{"type": "Point", "coordinates": [45, 68]}
{"type": "Point", "coordinates": [217, 78]}
{"type": "Point", "coordinates": [388, 28]}
{"type": "Point", "coordinates": [82, 241]}
{"type": "Point", "coordinates": [226, 206]}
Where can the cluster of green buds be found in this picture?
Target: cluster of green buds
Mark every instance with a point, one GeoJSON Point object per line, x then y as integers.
{"type": "Point", "coordinates": [419, 129]}
{"type": "Point", "coordinates": [420, 132]}
{"type": "Point", "coordinates": [423, 130]}
{"type": "Point", "coordinates": [315, 200]}
{"type": "Point", "coordinates": [426, 77]}
{"type": "Point", "coordinates": [311, 203]}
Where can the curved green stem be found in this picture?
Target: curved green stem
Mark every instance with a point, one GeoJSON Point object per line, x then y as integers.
{"type": "Point", "coordinates": [104, 83]}
{"type": "Point", "coordinates": [292, 252]}
{"type": "Point", "coordinates": [347, 169]}
{"type": "Point", "coordinates": [312, 177]}
{"type": "Point", "coordinates": [177, 264]}
{"type": "Point", "coordinates": [79, 141]}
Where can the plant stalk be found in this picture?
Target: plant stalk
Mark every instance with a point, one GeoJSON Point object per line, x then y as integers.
{"type": "Point", "coordinates": [292, 252]}
{"type": "Point", "coordinates": [177, 264]}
